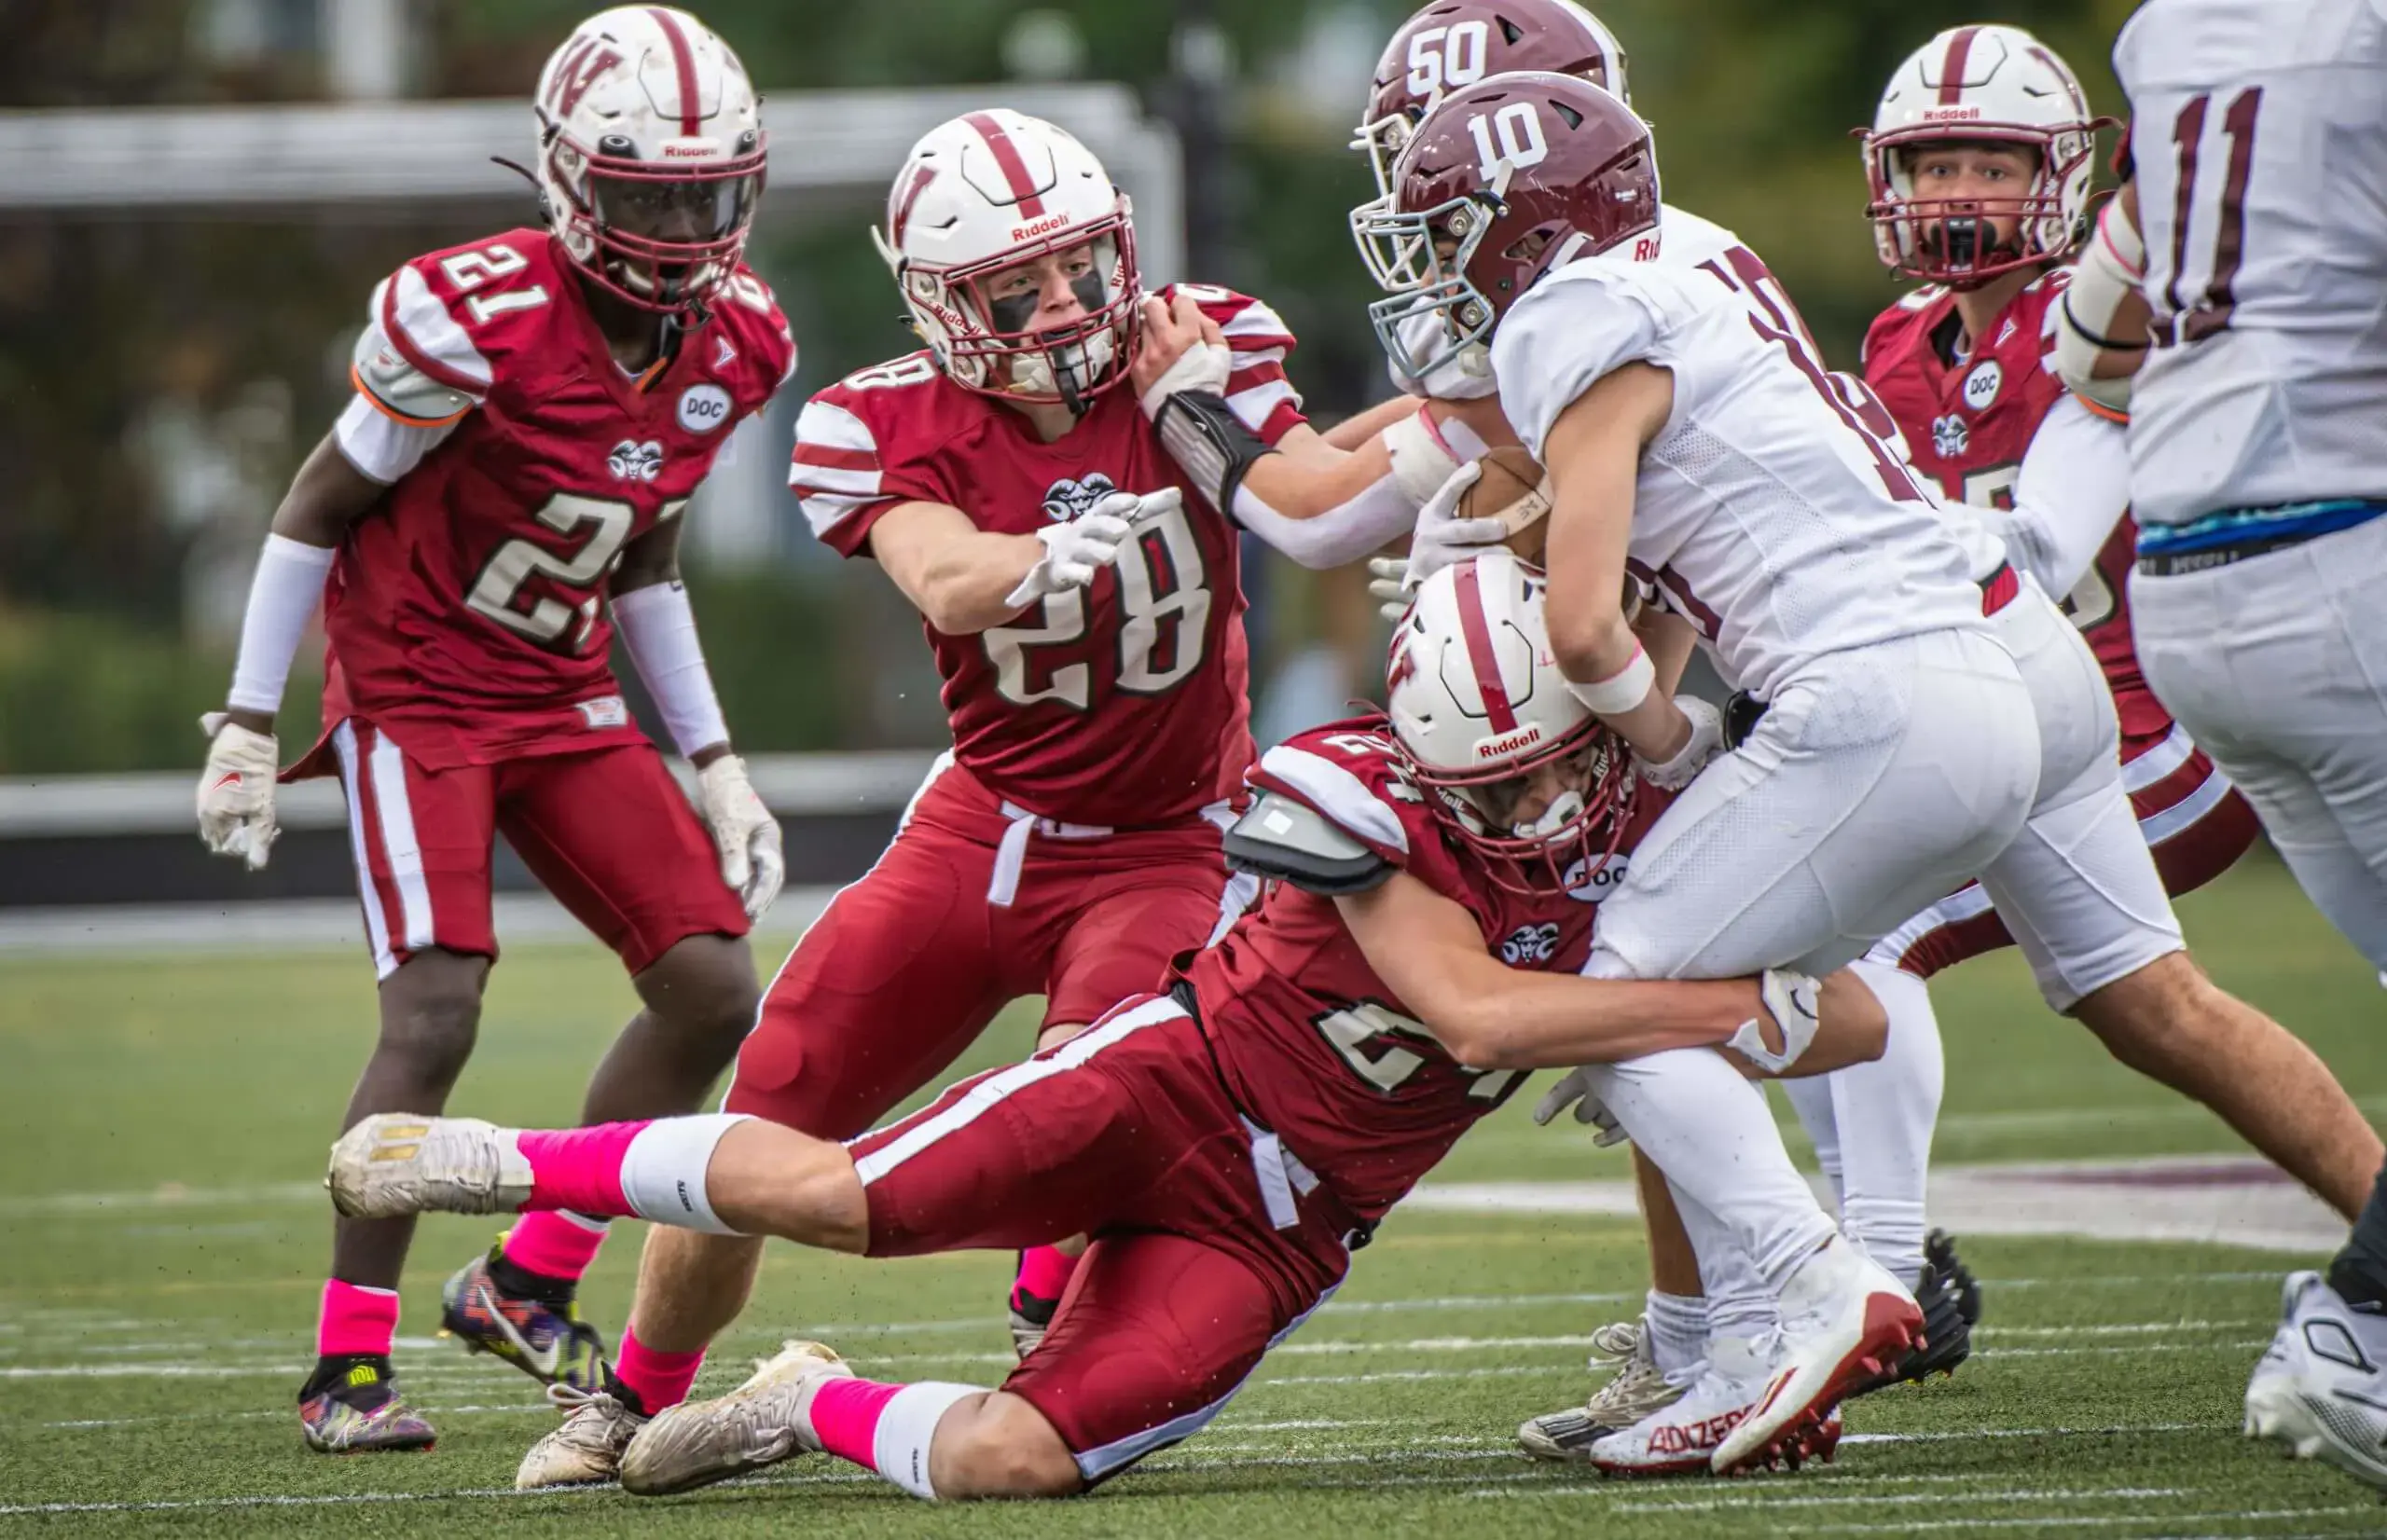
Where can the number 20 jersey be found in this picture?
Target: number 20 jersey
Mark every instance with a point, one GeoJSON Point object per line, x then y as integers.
{"type": "Point", "coordinates": [1124, 703]}
{"type": "Point", "coordinates": [465, 613]}
{"type": "Point", "coordinates": [1308, 1039]}
{"type": "Point", "coordinates": [2258, 134]}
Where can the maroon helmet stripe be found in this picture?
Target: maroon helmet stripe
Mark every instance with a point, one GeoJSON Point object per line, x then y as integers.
{"type": "Point", "coordinates": [684, 60]}
{"type": "Point", "coordinates": [921, 177]}
{"type": "Point", "coordinates": [1478, 632]}
{"type": "Point", "coordinates": [1952, 69]}
{"type": "Point", "coordinates": [1007, 160]}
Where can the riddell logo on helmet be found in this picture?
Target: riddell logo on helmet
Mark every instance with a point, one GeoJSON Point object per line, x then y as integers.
{"type": "Point", "coordinates": [688, 152]}
{"type": "Point", "coordinates": [1039, 226]}
{"type": "Point", "coordinates": [1508, 743]}
{"type": "Point", "coordinates": [1949, 115]}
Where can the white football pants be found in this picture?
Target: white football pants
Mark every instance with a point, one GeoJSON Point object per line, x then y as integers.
{"type": "Point", "coordinates": [1879, 779]}
{"type": "Point", "coordinates": [2277, 665]}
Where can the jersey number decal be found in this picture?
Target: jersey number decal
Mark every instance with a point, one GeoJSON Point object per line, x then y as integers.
{"type": "Point", "coordinates": [1368, 1036]}
{"type": "Point", "coordinates": [2211, 311]}
{"type": "Point", "coordinates": [494, 593]}
{"type": "Point", "coordinates": [466, 271]}
{"type": "Point", "coordinates": [1781, 323]}
{"type": "Point", "coordinates": [1166, 615]}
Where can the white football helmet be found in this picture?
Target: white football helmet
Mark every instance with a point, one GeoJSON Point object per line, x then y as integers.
{"type": "Point", "coordinates": [651, 154]}
{"type": "Point", "coordinates": [982, 194]}
{"type": "Point", "coordinates": [1477, 705]}
{"type": "Point", "coordinates": [1992, 83]}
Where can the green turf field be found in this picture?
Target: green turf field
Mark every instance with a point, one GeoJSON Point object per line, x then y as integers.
{"type": "Point", "coordinates": [162, 1124]}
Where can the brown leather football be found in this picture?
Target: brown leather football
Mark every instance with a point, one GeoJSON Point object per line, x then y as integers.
{"type": "Point", "coordinates": [1512, 489]}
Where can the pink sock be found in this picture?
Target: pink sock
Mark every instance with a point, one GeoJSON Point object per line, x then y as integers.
{"type": "Point", "coordinates": [658, 1380]}
{"type": "Point", "coordinates": [845, 1417]}
{"type": "Point", "coordinates": [1043, 1271]}
{"type": "Point", "coordinates": [356, 1319]}
{"type": "Point", "coordinates": [556, 1245]}
{"type": "Point", "coordinates": [578, 1168]}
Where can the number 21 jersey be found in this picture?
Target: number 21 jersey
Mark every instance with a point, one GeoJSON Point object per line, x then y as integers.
{"type": "Point", "coordinates": [465, 612]}
{"type": "Point", "coordinates": [1124, 703]}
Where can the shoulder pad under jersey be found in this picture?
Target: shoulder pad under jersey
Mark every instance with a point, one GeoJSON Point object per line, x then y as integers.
{"type": "Point", "coordinates": [1281, 837]}
{"type": "Point", "coordinates": [404, 390]}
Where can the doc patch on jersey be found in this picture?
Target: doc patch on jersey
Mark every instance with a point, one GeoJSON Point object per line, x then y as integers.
{"type": "Point", "coordinates": [703, 408]}
{"type": "Point", "coordinates": [634, 462]}
{"type": "Point", "coordinates": [1950, 436]}
{"type": "Point", "coordinates": [1065, 499]}
{"type": "Point", "coordinates": [1982, 385]}
{"type": "Point", "coordinates": [1587, 884]}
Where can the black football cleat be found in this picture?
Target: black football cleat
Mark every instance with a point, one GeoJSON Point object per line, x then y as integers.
{"type": "Point", "coordinates": [1950, 1296]}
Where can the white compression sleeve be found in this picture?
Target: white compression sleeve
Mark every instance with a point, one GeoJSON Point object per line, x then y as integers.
{"type": "Point", "coordinates": [661, 630]}
{"type": "Point", "coordinates": [1377, 517]}
{"type": "Point", "coordinates": [2073, 488]}
{"type": "Point", "coordinates": [663, 1170]}
{"type": "Point", "coordinates": [288, 586]}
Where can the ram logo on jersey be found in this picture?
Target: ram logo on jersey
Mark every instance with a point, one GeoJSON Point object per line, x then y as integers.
{"type": "Point", "coordinates": [1950, 437]}
{"type": "Point", "coordinates": [1065, 499]}
{"type": "Point", "coordinates": [634, 462]}
{"type": "Point", "coordinates": [1530, 943]}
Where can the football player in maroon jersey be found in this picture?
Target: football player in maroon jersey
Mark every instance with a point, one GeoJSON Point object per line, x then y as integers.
{"type": "Point", "coordinates": [532, 413]}
{"type": "Point", "coordinates": [1053, 482]}
{"type": "Point", "coordinates": [1227, 1143]}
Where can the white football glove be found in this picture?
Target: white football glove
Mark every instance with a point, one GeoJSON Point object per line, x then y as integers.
{"type": "Point", "coordinates": [1575, 1091]}
{"type": "Point", "coordinates": [236, 791]}
{"type": "Point", "coordinates": [1075, 551]}
{"type": "Point", "coordinates": [1790, 999]}
{"type": "Point", "coordinates": [1706, 741]}
{"type": "Point", "coordinates": [744, 832]}
{"type": "Point", "coordinates": [1442, 539]}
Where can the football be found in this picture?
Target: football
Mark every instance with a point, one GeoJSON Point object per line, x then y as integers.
{"type": "Point", "coordinates": [1515, 491]}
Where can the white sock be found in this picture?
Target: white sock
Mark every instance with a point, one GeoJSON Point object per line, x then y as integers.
{"type": "Point", "coordinates": [1677, 1329]}
{"type": "Point", "coordinates": [663, 1170]}
{"type": "Point", "coordinates": [907, 1429]}
{"type": "Point", "coordinates": [1713, 1135]}
{"type": "Point", "coordinates": [1886, 1112]}
{"type": "Point", "coordinates": [1811, 1099]}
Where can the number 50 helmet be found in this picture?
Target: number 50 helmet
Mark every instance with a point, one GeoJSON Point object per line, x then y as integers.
{"type": "Point", "coordinates": [985, 193]}
{"type": "Point", "coordinates": [1478, 706]}
{"type": "Point", "coordinates": [1502, 182]}
{"type": "Point", "coordinates": [1990, 84]}
{"type": "Point", "coordinates": [651, 154]}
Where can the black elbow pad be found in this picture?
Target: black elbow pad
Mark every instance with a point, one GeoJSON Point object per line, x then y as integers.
{"type": "Point", "coordinates": [1288, 840]}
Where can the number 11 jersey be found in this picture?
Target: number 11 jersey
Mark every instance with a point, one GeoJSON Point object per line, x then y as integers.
{"type": "Point", "coordinates": [1124, 703]}
{"type": "Point", "coordinates": [465, 612]}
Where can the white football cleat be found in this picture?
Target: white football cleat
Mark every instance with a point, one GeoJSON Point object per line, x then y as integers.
{"type": "Point", "coordinates": [763, 1421]}
{"type": "Point", "coordinates": [2321, 1389]}
{"type": "Point", "coordinates": [586, 1449]}
{"type": "Point", "coordinates": [393, 1163]}
{"type": "Point", "coordinates": [1843, 1320]}
{"type": "Point", "coordinates": [1632, 1392]}
{"type": "Point", "coordinates": [1681, 1440]}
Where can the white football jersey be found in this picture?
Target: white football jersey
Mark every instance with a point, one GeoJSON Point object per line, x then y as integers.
{"type": "Point", "coordinates": [1768, 512]}
{"type": "Point", "coordinates": [2260, 133]}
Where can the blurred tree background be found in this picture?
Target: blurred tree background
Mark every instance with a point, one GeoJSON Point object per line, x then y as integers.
{"type": "Point", "coordinates": [161, 379]}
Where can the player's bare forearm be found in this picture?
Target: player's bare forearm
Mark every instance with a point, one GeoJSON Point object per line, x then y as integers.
{"type": "Point", "coordinates": [1669, 640]}
{"type": "Point", "coordinates": [1353, 432]}
{"type": "Point", "coordinates": [956, 574]}
{"type": "Point", "coordinates": [326, 496]}
{"type": "Point", "coordinates": [1490, 1016]}
{"type": "Point", "coordinates": [652, 557]}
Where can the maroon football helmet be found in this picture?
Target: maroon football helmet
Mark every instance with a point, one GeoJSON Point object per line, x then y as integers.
{"type": "Point", "coordinates": [1452, 43]}
{"type": "Point", "coordinates": [1501, 183]}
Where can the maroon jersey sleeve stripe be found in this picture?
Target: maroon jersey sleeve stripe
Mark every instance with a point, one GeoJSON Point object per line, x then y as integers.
{"type": "Point", "coordinates": [1007, 160]}
{"type": "Point", "coordinates": [1951, 70]}
{"type": "Point", "coordinates": [831, 458]}
{"type": "Point", "coordinates": [455, 379]}
{"type": "Point", "coordinates": [1478, 632]}
{"type": "Point", "coordinates": [684, 61]}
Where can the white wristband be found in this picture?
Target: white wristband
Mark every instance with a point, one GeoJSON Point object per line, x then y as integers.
{"type": "Point", "coordinates": [288, 585]}
{"type": "Point", "coordinates": [661, 630]}
{"type": "Point", "coordinates": [1622, 691]}
{"type": "Point", "coordinates": [1425, 453]}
